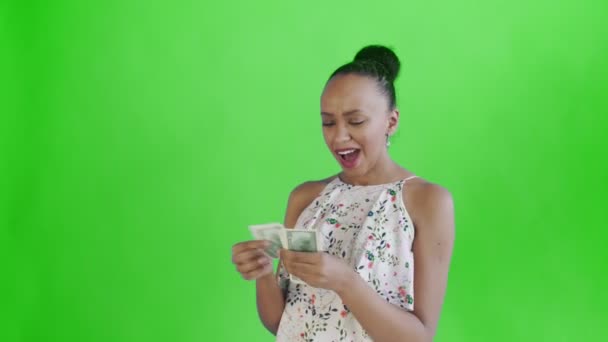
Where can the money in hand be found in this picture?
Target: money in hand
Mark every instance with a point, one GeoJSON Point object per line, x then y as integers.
{"type": "Point", "coordinates": [300, 240]}
{"type": "Point", "coordinates": [272, 232]}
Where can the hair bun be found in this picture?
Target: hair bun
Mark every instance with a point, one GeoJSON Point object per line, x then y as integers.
{"type": "Point", "coordinates": [383, 56]}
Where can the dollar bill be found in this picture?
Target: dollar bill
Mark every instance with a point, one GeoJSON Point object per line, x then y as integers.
{"type": "Point", "coordinates": [300, 240]}
{"type": "Point", "coordinates": [272, 232]}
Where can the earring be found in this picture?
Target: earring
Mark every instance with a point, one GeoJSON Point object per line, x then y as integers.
{"type": "Point", "coordinates": [388, 143]}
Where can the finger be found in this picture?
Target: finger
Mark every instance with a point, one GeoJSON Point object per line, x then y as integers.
{"type": "Point", "coordinates": [305, 274]}
{"type": "Point", "coordinates": [302, 268]}
{"type": "Point", "coordinates": [301, 257]}
{"type": "Point", "coordinates": [294, 267]}
{"type": "Point", "coordinates": [256, 273]}
{"type": "Point", "coordinates": [253, 265]}
{"type": "Point", "coordinates": [251, 244]}
{"type": "Point", "coordinates": [247, 256]}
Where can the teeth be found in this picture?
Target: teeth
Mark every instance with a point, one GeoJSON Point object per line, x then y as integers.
{"type": "Point", "coordinates": [346, 152]}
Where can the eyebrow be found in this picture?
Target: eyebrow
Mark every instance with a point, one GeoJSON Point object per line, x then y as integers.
{"type": "Point", "coordinates": [348, 113]}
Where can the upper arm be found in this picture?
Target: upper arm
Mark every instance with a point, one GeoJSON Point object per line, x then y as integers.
{"type": "Point", "coordinates": [433, 245]}
{"type": "Point", "coordinates": [299, 199]}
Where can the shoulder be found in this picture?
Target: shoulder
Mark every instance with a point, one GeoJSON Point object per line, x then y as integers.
{"type": "Point", "coordinates": [431, 205]}
{"type": "Point", "coordinates": [301, 196]}
{"type": "Point", "coordinates": [309, 189]}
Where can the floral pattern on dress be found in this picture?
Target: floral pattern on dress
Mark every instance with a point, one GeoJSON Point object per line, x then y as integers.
{"type": "Point", "coordinates": [371, 230]}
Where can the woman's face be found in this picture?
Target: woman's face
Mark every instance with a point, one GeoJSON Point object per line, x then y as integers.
{"type": "Point", "coordinates": [356, 119]}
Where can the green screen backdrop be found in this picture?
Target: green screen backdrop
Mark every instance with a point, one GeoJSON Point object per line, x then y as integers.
{"type": "Point", "coordinates": [140, 138]}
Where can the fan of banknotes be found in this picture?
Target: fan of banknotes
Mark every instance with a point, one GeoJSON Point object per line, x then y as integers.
{"type": "Point", "coordinates": [299, 240]}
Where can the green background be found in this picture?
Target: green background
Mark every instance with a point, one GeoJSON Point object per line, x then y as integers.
{"type": "Point", "coordinates": [140, 138]}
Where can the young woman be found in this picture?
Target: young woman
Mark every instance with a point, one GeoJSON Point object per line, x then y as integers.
{"type": "Point", "coordinates": [387, 234]}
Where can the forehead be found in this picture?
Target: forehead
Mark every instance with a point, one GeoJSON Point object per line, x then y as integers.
{"type": "Point", "coordinates": [346, 92]}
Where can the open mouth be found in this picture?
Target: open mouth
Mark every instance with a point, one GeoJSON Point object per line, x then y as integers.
{"type": "Point", "coordinates": [348, 158]}
{"type": "Point", "coordinates": [349, 155]}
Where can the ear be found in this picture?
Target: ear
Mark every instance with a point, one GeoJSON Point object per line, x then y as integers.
{"type": "Point", "coordinates": [393, 121]}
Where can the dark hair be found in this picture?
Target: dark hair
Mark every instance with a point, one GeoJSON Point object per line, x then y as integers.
{"type": "Point", "coordinates": [379, 63]}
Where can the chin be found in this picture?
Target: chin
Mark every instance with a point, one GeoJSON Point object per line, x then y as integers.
{"type": "Point", "coordinates": [359, 170]}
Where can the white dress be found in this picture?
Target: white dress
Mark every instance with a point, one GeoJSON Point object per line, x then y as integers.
{"type": "Point", "coordinates": [370, 228]}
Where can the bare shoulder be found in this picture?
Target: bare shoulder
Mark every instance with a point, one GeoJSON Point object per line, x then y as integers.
{"type": "Point", "coordinates": [307, 191]}
{"type": "Point", "coordinates": [301, 196]}
{"type": "Point", "coordinates": [427, 202]}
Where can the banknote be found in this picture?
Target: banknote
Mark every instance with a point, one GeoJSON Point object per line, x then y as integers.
{"type": "Point", "coordinates": [272, 232]}
{"type": "Point", "coordinates": [300, 240]}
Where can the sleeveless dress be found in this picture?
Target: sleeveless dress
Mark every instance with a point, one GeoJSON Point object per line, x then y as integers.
{"type": "Point", "coordinates": [371, 230]}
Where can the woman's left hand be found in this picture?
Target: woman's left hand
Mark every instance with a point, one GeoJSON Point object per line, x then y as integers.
{"type": "Point", "coordinates": [318, 269]}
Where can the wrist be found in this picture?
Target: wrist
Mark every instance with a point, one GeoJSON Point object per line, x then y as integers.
{"type": "Point", "coordinates": [266, 277]}
{"type": "Point", "coordinates": [348, 282]}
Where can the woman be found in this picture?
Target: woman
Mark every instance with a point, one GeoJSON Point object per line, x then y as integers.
{"type": "Point", "coordinates": [387, 235]}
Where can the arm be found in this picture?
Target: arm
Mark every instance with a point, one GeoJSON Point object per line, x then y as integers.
{"type": "Point", "coordinates": [432, 253]}
{"type": "Point", "coordinates": [269, 296]}
{"type": "Point", "coordinates": [270, 302]}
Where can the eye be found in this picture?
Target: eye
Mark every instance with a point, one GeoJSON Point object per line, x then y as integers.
{"type": "Point", "coordinates": [357, 122]}
{"type": "Point", "coordinates": [326, 124]}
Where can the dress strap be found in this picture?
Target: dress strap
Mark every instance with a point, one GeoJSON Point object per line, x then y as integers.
{"type": "Point", "coordinates": [408, 178]}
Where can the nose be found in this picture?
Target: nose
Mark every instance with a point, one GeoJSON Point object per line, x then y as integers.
{"type": "Point", "coordinates": [342, 134]}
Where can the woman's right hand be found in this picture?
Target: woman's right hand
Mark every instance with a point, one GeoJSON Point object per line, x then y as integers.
{"type": "Point", "coordinates": [250, 260]}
